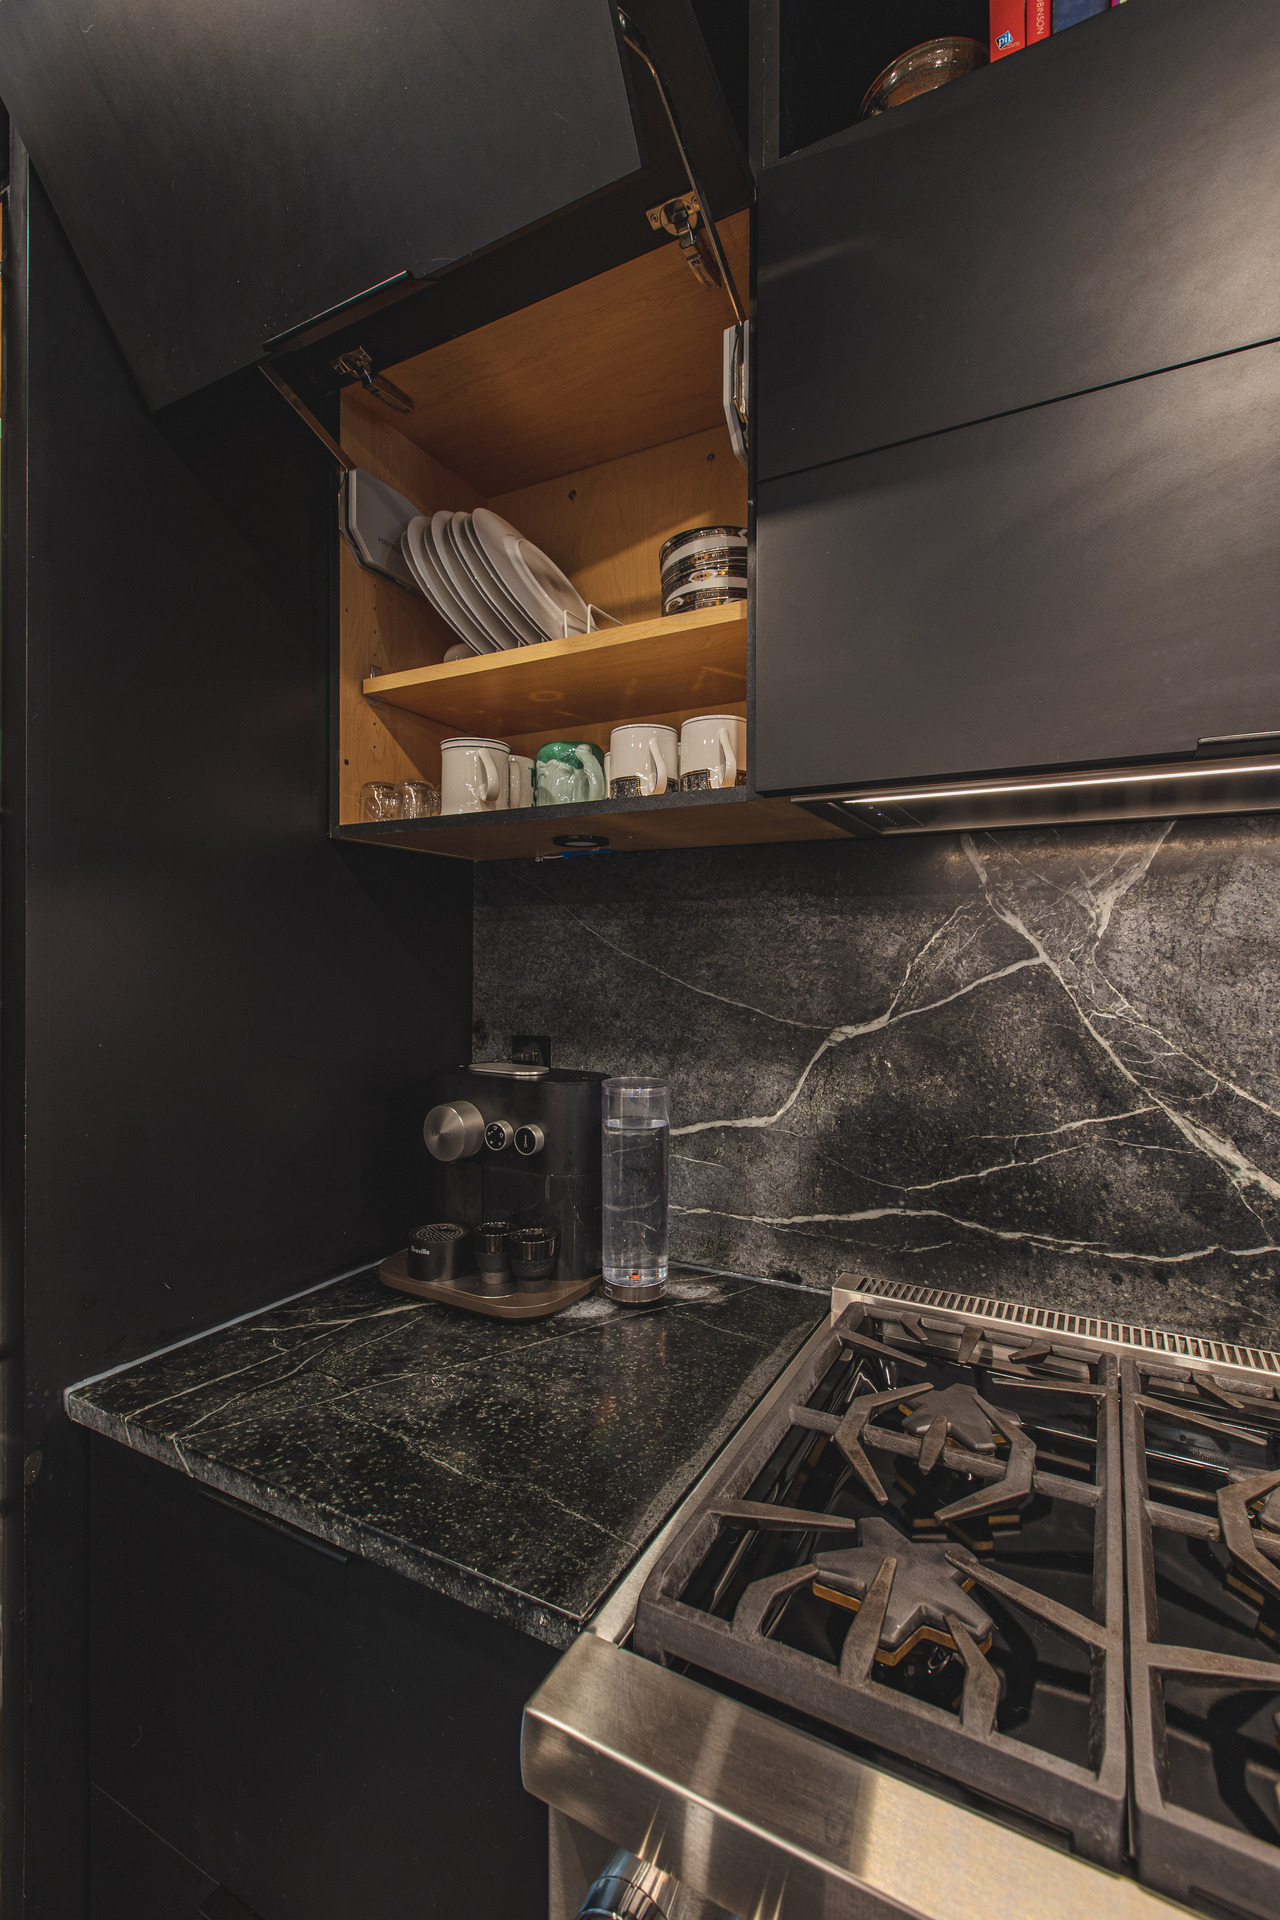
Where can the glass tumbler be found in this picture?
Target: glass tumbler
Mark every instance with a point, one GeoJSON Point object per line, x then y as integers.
{"type": "Point", "coordinates": [635, 1145]}
{"type": "Point", "coordinates": [419, 799]}
{"type": "Point", "coordinates": [380, 800]}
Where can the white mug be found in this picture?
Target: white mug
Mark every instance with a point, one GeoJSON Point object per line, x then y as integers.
{"type": "Point", "coordinates": [595, 778]}
{"type": "Point", "coordinates": [521, 766]}
{"type": "Point", "coordinates": [474, 776]}
{"type": "Point", "coordinates": [642, 760]}
{"type": "Point", "coordinates": [713, 752]}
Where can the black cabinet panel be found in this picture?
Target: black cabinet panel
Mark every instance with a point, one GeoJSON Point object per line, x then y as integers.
{"type": "Point", "coordinates": [324, 1740]}
{"type": "Point", "coordinates": [1100, 206]}
{"type": "Point", "coordinates": [219, 1024]}
{"type": "Point", "coordinates": [1092, 580]}
{"type": "Point", "coordinates": [226, 174]}
{"type": "Point", "coordinates": [597, 235]}
{"type": "Point", "coordinates": [135, 1874]}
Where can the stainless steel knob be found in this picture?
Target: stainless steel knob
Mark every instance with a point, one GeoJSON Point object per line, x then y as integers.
{"type": "Point", "coordinates": [630, 1889]}
{"type": "Point", "coordinates": [454, 1131]}
{"type": "Point", "coordinates": [530, 1139]}
{"type": "Point", "coordinates": [498, 1135]}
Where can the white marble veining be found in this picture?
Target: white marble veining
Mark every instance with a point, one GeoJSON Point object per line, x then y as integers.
{"type": "Point", "coordinates": [1039, 1063]}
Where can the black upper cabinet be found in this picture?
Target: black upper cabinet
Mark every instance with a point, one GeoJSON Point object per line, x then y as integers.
{"type": "Point", "coordinates": [1097, 207]}
{"type": "Point", "coordinates": [1090, 581]}
{"type": "Point", "coordinates": [227, 174]}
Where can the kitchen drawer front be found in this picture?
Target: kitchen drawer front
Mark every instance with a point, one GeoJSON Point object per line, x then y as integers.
{"type": "Point", "coordinates": [322, 1738]}
{"type": "Point", "coordinates": [1093, 580]}
{"type": "Point", "coordinates": [225, 174]}
{"type": "Point", "coordinates": [1099, 206]}
{"type": "Point", "coordinates": [135, 1875]}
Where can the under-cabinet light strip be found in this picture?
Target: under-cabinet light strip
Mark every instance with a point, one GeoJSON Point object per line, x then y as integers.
{"type": "Point", "coordinates": [1143, 777]}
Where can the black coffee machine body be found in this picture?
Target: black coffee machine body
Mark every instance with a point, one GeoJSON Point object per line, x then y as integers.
{"type": "Point", "coordinates": [521, 1143]}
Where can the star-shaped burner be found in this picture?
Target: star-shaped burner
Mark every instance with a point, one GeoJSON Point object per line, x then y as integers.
{"type": "Point", "coordinates": [958, 1413]}
{"type": "Point", "coordinates": [1235, 1501]}
{"type": "Point", "coordinates": [927, 1585]}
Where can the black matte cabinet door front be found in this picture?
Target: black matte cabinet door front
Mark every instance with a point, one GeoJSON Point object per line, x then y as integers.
{"type": "Point", "coordinates": [226, 173]}
{"type": "Point", "coordinates": [1089, 581]}
{"type": "Point", "coordinates": [1102, 205]}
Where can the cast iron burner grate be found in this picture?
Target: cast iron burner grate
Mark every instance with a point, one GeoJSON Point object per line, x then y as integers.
{"type": "Point", "coordinates": [1202, 1471]}
{"type": "Point", "coordinates": [922, 1549]}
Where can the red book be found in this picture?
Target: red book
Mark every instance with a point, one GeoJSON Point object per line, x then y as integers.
{"type": "Point", "coordinates": [1038, 21]}
{"type": "Point", "coordinates": [1008, 26]}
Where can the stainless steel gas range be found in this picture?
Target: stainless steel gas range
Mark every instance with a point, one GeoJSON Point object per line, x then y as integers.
{"type": "Point", "coordinates": [979, 1612]}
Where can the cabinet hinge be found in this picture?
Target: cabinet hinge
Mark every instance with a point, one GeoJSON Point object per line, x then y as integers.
{"type": "Point", "coordinates": [357, 362]}
{"type": "Point", "coordinates": [706, 226]}
{"type": "Point", "coordinates": [683, 218]}
{"type": "Point", "coordinates": [736, 411]}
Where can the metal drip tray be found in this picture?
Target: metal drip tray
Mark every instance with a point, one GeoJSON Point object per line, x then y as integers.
{"type": "Point", "coordinates": [509, 1069]}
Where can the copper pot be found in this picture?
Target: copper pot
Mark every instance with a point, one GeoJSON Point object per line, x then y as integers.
{"type": "Point", "coordinates": [920, 70]}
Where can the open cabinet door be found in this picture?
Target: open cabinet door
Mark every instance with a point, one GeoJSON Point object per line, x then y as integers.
{"type": "Point", "coordinates": [227, 173]}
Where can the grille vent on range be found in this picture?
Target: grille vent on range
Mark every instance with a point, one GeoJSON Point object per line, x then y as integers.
{"type": "Point", "coordinates": [1075, 1326]}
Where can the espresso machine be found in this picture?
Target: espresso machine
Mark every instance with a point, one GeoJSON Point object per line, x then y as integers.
{"type": "Point", "coordinates": [521, 1143]}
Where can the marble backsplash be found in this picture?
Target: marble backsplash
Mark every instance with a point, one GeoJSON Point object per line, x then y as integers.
{"type": "Point", "coordinates": [1038, 1064]}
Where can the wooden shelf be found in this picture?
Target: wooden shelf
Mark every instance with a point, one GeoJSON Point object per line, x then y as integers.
{"type": "Point", "coordinates": [690, 660]}
{"type": "Point", "coordinates": [738, 817]}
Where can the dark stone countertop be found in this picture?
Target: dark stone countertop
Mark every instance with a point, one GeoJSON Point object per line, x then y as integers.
{"type": "Point", "coordinates": [518, 1467]}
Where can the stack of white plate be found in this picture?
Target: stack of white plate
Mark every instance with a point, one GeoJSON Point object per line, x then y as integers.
{"type": "Point", "coordinates": [494, 587]}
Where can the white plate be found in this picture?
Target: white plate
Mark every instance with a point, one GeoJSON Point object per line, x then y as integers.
{"type": "Point", "coordinates": [465, 550]}
{"type": "Point", "coordinates": [547, 596]}
{"type": "Point", "coordinates": [446, 553]}
{"type": "Point", "coordinates": [417, 551]}
{"type": "Point", "coordinates": [489, 584]}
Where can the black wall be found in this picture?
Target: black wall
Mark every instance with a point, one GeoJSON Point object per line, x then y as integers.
{"type": "Point", "coordinates": [218, 1022]}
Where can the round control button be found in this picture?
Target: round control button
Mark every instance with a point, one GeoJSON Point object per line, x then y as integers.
{"type": "Point", "coordinates": [498, 1135]}
{"type": "Point", "coordinates": [530, 1139]}
{"type": "Point", "coordinates": [453, 1131]}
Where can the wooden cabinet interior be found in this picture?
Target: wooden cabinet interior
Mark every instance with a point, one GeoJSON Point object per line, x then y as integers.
{"type": "Point", "coordinates": [591, 421]}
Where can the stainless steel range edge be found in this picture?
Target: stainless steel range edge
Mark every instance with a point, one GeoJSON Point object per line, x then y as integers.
{"type": "Point", "coordinates": [978, 1613]}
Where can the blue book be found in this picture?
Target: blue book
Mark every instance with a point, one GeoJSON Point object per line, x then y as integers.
{"type": "Point", "coordinates": [1069, 13]}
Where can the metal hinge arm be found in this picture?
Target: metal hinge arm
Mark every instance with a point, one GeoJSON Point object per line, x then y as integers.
{"type": "Point", "coordinates": [357, 362]}
{"type": "Point", "coordinates": [635, 40]}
